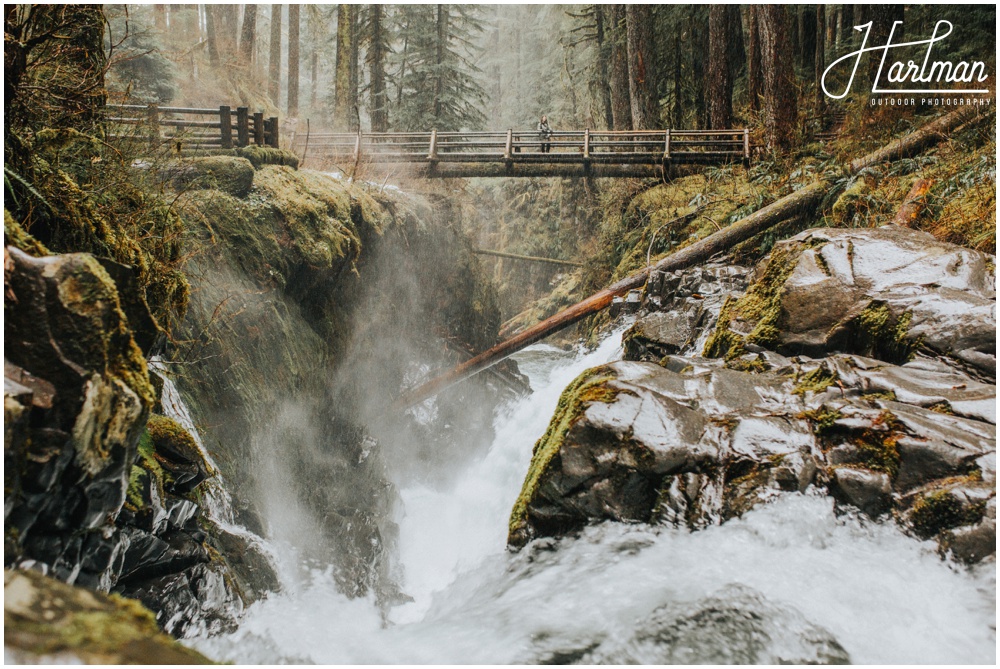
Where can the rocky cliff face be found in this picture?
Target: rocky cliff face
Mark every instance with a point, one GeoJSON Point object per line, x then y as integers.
{"type": "Point", "coordinates": [906, 429]}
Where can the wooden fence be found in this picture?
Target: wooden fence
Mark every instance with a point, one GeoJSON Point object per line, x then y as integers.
{"type": "Point", "coordinates": [511, 147]}
{"type": "Point", "coordinates": [186, 128]}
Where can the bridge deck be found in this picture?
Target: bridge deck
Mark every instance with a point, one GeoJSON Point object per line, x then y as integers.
{"type": "Point", "coordinates": [580, 152]}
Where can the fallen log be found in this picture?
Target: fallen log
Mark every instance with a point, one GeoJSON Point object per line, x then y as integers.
{"type": "Point", "coordinates": [514, 256]}
{"type": "Point", "coordinates": [762, 219]}
{"type": "Point", "coordinates": [913, 203]}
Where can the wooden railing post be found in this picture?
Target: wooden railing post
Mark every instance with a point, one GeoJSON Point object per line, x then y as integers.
{"type": "Point", "coordinates": [154, 125]}
{"type": "Point", "coordinates": [357, 149]}
{"type": "Point", "coordinates": [226, 126]}
{"type": "Point", "coordinates": [507, 146]}
{"type": "Point", "coordinates": [432, 153]}
{"type": "Point", "coordinates": [258, 128]}
{"type": "Point", "coordinates": [586, 144]}
{"type": "Point", "coordinates": [242, 126]}
{"type": "Point", "coordinates": [272, 139]}
{"type": "Point", "coordinates": [746, 144]}
{"type": "Point", "coordinates": [666, 147]}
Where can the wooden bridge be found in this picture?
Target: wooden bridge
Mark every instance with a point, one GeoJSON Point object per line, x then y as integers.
{"type": "Point", "coordinates": [597, 153]}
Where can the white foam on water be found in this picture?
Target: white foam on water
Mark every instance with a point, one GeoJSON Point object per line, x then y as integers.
{"type": "Point", "coordinates": [885, 597]}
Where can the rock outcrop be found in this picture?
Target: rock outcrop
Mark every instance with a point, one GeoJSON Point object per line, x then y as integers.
{"type": "Point", "coordinates": [76, 398]}
{"type": "Point", "coordinates": [672, 437]}
{"type": "Point", "coordinates": [49, 622]}
{"type": "Point", "coordinates": [99, 492]}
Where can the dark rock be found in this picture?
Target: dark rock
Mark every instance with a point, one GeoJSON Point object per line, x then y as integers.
{"type": "Point", "coordinates": [737, 625]}
{"type": "Point", "coordinates": [67, 341]}
{"type": "Point", "coordinates": [868, 490]}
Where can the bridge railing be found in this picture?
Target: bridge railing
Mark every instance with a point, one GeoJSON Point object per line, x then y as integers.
{"type": "Point", "coordinates": [191, 128]}
{"type": "Point", "coordinates": [643, 146]}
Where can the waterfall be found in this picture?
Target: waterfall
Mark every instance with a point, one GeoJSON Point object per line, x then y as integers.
{"type": "Point", "coordinates": [791, 581]}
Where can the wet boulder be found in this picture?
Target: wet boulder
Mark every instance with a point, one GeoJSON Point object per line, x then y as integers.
{"type": "Point", "coordinates": [78, 393]}
{"type": "Point", "coordinates": [49, 622]}
{"type": "Point", "coordinates": [885, 293]}
{"type": "Point", "coordinates": [691, 442]}
{"type": "Point", "coordinates": [229, 174]}
{"type": "Point", "coordinates": [736, 625]}
{"type": "Point", "coordinates": [636, 442]}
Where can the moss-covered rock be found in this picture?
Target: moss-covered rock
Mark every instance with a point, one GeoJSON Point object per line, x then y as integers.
{"type": "Point", "coordinates": [884, 293]}
{"type": "Point", "coordinates": [46, 621]}
{"type": "Point", "coordinates": [68, 342]}
{"type": "Point", "coordinates": [232, 175]}
{"type": "Point", "coordinates": [259, 156]}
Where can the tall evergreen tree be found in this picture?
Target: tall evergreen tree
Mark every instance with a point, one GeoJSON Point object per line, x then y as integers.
{"type": "Point", "coordinates": [343, 103]}
{"type": "Point", "coordinates": [438, 88]}
{"type": "Point", "coordinates": [720, 82]}
{"type": "Point", "coordinates": [377, 47]}
{"type": "Point", "coordinates": [621, 104]}
{"type": "Point", "coordinates": [248, 35]}
{"type": "Point", "coordinates": [643, 84]}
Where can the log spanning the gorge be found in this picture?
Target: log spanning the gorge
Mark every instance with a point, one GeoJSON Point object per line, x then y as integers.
{"type": "Point", "coordinates": [790, 206]}
{"type": "Point", "coordinates": [586, 153]}
{"type": "Point", "coordinates": [514, 256]}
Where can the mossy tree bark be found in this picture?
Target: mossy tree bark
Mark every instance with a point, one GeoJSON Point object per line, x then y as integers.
{"type": "Point", "coordinates": [342, 71]}
{"type": "Point", "coordinates": [293, 60]}
{"type": "Point", "coordinates": [642, 80]}
{"type": "Point", "coordinates": [780, 105]}
{"type": "Point", "coordinates": [720, 83]}
{"type": "Point", "coordinates": [248, 35]}
{"type": "Point", "coordinates": [621, 105]}
{"type": "Point", "coordinates": [274, 62]}
{"type": "Point", "coordinates": [754, 79]}
{"type": "Point", "coordinates": [379, 101]}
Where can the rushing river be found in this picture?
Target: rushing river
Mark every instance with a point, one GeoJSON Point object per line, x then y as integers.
{"type": "Point", "coordinates": [787, 579]}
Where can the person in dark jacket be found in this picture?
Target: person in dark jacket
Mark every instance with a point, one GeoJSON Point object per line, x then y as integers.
{"type": "Point", "coordinates": [545, 134]}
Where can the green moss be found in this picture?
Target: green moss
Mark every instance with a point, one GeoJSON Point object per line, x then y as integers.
{"type": "Point", "coordinates": [942, 510]}
{"type": "Point", "coordinates": [942, 407]}
{"type": "Point", "coordinates": [885, 337]}
{"type": "Point", "coordinates": [43, 617]}
{"type": "Point", "coordinates": [260, 156]}
{"type": "Point", "coordinates": [760, 307]}
{"type": "Point", "coordinates": [753, 364]}
{"type": "Point", "coordinates": [877, 444]}
{"type": "Point", "coordinates": [816, 381]}
{"type": "Point", "coordinates": [822, 419]}
{"type": "Point", "coordinates": [166, 433]}
{"type": "Point", "coordinates": [15, 235]}
{"type": "Point", "coordinates": [587, 388]}
{"type": "Point", "coordinates": [231, 175]}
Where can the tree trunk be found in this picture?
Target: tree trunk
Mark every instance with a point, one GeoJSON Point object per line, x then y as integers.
{"type": "Point", "coordinates": [699, 49]}
{"type": "Point", "coordinates": [293, 60]}
{"type": "Point", "coordinates": [780, 108]}
{"type": "Point", "coordinates": [313, 76]}
{"type": "Point", "coordinates": [678, 115]}
{"type": "Point", "coordinates": [737, 52]}
{"type": "Point", "coordinates": [820, 57]}
{"type": "Point", "coordinates": [342, 73]}
{"type": "Point", "coordinates": [248, 36]}
{"type": "Point", "coordinates": [355, 50]}
{"type": "Point", "coordinates": [720, 84]}
{"type": "Point", "coordinates": [643, 89]}
{"type": "Point", "coordinates": [439, 52]}
{"type": "Point", "coordinates": [226, 24]}
{"type": "Point", "coordinates": [274, 63]}
{"type": "Point", "coordinates": [807, 38]}
{"type": "Point", "coordinates": [603, 70]}
{"type": "Point", "coordinates": [621, 105]}
{"type": "Point", "coordinates": [212, 38]}
{"type": "Point", "coordinates": [160, 18]}
{"type": "Point", "coordinates": [755, 84]}
{"type": "Point", "coordinates": [376, 64]}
